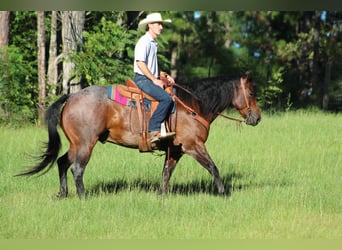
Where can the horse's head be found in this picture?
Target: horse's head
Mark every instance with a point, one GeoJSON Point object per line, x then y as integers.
{"type": "Point", "coordinates": [245, 101]}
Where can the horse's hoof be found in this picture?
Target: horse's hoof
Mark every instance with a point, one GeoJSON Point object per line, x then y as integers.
{"type": "Point", "coordinates": [59, 196]}
{"type": "Point", "coordinates": [222, 192]}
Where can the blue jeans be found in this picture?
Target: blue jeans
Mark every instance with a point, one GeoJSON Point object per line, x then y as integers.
{"type": "Point", "coordinates": [160, 95]}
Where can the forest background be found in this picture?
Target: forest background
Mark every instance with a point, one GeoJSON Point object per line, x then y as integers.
{"type": "Point", "coordinates": [294, 56]}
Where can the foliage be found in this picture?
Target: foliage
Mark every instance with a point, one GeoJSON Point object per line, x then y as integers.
{"type": "Point", "coordinates": [107, 54]}
{"type": "Point", "coordinates": [199, 39]}
{"type": "Point", "coordinates": [294, 47]}
{"type": "Point", "coordinates": [18, 73]}
{"type": "Point", "coordinates": [273, 89]}
{"type": "Point", "coordinates": [288, 53]}
{"type": "Point", "coordinates": [17, 93]}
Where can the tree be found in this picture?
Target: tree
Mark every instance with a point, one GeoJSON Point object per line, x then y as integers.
{"type": "Point", "coordinates": [41, 65]}
{"type": "Point", "coordinates": [331, 42]}
{"type": "Point", "coordinates": [290, 51]}
{"type": "Point", "coordinates": [199, 44]}
{"type": "Point", "coordinates": [106, 56]}
{"type": "Point", "coordinates": [72, 37]}
{"type": "Point", "coordinates": [4, 35]}
{"type": "Point", "coordinates": [313, 54]}
{"type": "Point", "coordinates": [18, 73]}
{"type": "Point", "coordinates": [52, 77]}
{"type": "Point", "coordinates": [4, 32]}
{"type": "Point", "coordinates": [294, 56]}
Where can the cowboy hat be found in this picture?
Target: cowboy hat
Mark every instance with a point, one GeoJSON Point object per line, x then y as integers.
{"type": "Point", "coordinates": [152, 18]}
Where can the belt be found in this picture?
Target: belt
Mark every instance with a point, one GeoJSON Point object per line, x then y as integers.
{"type": "Point", "coordinates": [137, 74]}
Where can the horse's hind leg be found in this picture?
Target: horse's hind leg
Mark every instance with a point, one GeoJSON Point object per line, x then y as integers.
{"type": "Point", "coordinates": [63, 165]}
{"type": "Point", "coordinates": [77, 169]}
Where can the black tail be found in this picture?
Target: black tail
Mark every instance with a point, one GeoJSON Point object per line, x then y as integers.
{"type": "Point", "coordinates": [49, 157]}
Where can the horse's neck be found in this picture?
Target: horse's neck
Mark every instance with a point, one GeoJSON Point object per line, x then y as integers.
{"type": "Point", "coordinates": [211, 114]}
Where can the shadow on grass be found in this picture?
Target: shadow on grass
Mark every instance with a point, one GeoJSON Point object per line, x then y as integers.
{"type": "Point", "coordinates": [193, 187]}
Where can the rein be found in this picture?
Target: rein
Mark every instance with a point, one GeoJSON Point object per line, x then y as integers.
{"type": "Point", "coordinates": [232, 118]}
{"type": "Point", "coordinates": [201, 119]}
{"type": "Point", "coordinates": [195, 115]}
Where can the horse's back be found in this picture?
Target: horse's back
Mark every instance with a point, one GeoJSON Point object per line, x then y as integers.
{"type": "Point", "coordinates": [92, 92]}
{"type": "Point", "coordinates": [87, 101]}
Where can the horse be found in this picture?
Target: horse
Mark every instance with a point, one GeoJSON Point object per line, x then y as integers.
{"type": "Point", "coordinates": [89, 116]}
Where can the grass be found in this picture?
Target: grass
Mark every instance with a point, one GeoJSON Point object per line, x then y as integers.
{"type": "Point", "coordinates": [284, 179]}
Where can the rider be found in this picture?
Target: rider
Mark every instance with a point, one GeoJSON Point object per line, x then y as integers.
{"type": "Point", "coordinates": [147, 73]}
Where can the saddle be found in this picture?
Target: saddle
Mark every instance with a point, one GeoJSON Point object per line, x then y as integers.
{"type": "Point", "coordinates": [131, 91]}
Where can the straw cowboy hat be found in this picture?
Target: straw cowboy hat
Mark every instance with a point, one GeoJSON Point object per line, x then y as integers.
{"type": "Point", "coordinates": [152, 18]}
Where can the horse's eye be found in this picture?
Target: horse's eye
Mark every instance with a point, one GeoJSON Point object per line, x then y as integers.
{"type": "Point", "coordinates": [252, 94]}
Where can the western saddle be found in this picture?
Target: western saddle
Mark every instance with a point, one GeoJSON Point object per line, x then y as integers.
{"type": "Point", "coordinates": [131, 91]}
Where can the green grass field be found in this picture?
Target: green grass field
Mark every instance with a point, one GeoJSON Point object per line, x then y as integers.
{"type": "Point", "coordinates": [284, 178]}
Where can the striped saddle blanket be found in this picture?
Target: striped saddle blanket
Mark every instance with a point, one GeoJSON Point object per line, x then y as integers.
{"type": "Point", "coordinates": [114, 94]}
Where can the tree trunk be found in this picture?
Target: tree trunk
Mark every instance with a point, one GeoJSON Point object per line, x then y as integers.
{"type": "Point", "coordinates": [332, 55]}
{"type": "Point", "coordinates": [72, 28]}
{"type": "Point", "coordinates": [52, 67]}
{"type": "Point", "coordinates": [4, 32]}
{"type": "Point", "coordinates": [327, 76]}
{"type": "Point", "coordinates": [173, 63]}
{"type": "Point", "coordinates": [316, 23]}
{"type": "Point", "coordinates": [41, 65]}
{"type": "Point", "coordinates": [132, 19]}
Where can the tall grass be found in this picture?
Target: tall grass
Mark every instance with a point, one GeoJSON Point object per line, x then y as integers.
{"type": "Point", "coordinates": [284, 180]}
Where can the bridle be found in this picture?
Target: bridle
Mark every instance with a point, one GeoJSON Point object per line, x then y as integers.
{"type": "Point", "coordinates": [243, 86]}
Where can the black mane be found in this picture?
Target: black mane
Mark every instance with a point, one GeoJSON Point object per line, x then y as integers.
{"type": "Point", "coordinates": [214, 94]}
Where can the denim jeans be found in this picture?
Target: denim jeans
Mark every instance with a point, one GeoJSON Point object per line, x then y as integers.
{"type": "Point", "coordinates": [160, 95]}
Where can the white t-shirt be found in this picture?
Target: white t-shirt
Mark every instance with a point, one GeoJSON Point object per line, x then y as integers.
{"type": "Point", "coordinates": [146, 50]}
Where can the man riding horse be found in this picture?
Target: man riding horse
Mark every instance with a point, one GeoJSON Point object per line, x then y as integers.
{"type": "Point", "coordinates": [147, 74]}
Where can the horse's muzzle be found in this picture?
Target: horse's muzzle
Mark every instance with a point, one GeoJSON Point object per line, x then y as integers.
{"type": "Point", "coordinates": [252, 118]}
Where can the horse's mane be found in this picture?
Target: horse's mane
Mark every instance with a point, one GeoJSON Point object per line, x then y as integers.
{"type": "Point", "coordinates": [214, 94]}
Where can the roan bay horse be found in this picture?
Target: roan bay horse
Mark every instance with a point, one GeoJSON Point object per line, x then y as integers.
{"type": "Point", "coordinates": [89, 116]}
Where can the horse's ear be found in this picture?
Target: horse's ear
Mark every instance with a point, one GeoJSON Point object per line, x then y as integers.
{"type": "Point", "coordinates": [248, 75]}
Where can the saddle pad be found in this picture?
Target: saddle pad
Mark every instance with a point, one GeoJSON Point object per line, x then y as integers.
{"type": "Point", "coordinates": [114, 94]}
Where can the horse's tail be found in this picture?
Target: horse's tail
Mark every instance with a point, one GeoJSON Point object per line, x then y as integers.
{"type": "Point", "coordinates": [53, 146]}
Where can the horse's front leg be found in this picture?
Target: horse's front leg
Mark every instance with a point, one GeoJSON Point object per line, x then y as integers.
{"type": "Point", "coordinates": [171, 160]}
{"type": "Point", "coordinates": [200, 153]}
